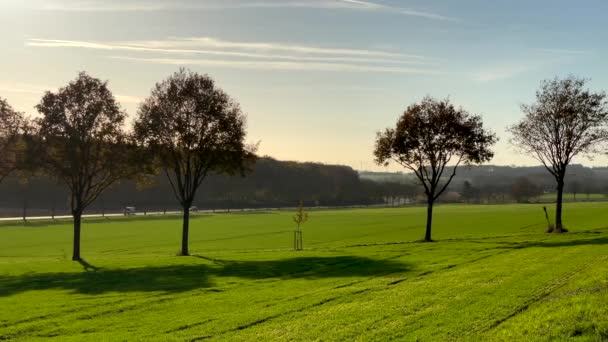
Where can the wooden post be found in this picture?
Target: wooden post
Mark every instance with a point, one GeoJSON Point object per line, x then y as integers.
{"type": "Point", "coordinates": [301, 247]}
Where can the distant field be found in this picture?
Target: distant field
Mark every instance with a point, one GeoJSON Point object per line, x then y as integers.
{"type": "Point", "coordinates": [493, 275]}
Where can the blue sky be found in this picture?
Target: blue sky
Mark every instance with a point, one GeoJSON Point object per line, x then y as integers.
{"type": "Point", "coordinates": [317, 78]}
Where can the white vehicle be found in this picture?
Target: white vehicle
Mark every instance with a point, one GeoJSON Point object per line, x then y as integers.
{"type": "Point", "coordinates": [194, 209]}
{"type": "Point", "coordinates": [128, 211]}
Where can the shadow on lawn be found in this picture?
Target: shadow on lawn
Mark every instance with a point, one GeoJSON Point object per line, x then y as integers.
{"type": "Point", "coordinates": [560, 243]}
{"type": "Point", "coordinates": [551, 240]}
{"type": "Point", "coordinates": [179, 278]}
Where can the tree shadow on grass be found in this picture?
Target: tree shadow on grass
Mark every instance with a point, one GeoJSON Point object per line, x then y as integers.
{"type": "Point", "coordinates": [551, 240]}
{"type": "Point", "coordinates": [180, 278]}
{"type": "Point", "coordinates": [311, 268]}
{"type": "Point", "coordinates": [561, 243]}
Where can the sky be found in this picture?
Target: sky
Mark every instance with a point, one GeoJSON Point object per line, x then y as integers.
{"type": "Point", "coordinates": [316, 78]}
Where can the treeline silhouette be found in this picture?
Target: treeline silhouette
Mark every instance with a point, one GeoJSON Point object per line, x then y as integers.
{"type": "Point", "coordinates": [275, 183]}
{"type": "Point", "coordinates": [272, 183]}
{"type": "Point", "coordinates": [499, 184]}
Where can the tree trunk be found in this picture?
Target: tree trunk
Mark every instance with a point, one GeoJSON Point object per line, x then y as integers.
{"type": "Point", "coordinates": [77, 215]}
{"type": "Point", "coordinates": [185, 228]}
{"type": "Point", "coordinates": [429, 221]}
{"type": "Point", "coordinates": [558, 210]}
{"type": "Point", "coordinates": [24, 211]}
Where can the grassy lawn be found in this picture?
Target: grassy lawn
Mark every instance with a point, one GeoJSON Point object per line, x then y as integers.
{"type": "Point", "coordinates": [492, 275]}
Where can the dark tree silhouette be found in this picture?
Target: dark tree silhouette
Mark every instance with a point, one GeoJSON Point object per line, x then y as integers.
{"type": "Point", "coordinates": [81, 142]}
{"type": "Point", "coordinates": [430, 135]}
{"type": "Point", "coordinates": [574, 187]}
{"type": "Point", "coordinates": [13, 125]}
{"type": "Point", "coordinates": [565, 121]}
{"type": "Point", "coordinates": [523, 189]}
{"type": "Point", "coordinates": [469, 192]}
{"type": "Point", "coordinates": [193, 128]}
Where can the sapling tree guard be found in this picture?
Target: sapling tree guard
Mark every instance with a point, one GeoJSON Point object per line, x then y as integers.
{"type": "Point", "coordinates": [432, 138]}
{"type": "Point", "coordinates": [80, 140]}
{"type": "Point", "coordinates": [192, 128]}
{"type": "Point", "coordinates": [299, 218]}
{"type": "Point", "coordinates": [565, 121]}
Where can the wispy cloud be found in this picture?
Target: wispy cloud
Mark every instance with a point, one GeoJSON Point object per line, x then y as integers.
{"type": "Point", "coordinates": [254, 55]}
{"type": "Point", "coordinates": [161, 5]}
{"type": "Point", "coordinates": [275, 65]}
{"type": "Point", "coordinates": [247, 50]}
{"type": "Point", "coordinates": [209, 42]}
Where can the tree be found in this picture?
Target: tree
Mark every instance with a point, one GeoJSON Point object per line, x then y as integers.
{"type": "Point", "coordinates": [590, 186]}
{"type": "Point", "coordinates": [192, 128]}
{"type": "Point", "coordinates": [469, 192]}
{"type": "Point", "coordinates": [429, 136]}
{"type": "Point", "coordinates": [565, 121]}
{"type": "Point", "coordinates": [13, 126]}
{"type": "Point", "coordinates": [80, 141]}
{"type": "Point", "coordinates": [523, 189]}
{"type": "Point", "coordinates": [574, 187]}
{"type": "Point", "coordinates": [299, 218]}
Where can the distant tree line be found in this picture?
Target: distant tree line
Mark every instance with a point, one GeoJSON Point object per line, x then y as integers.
{"type": "Point", "coordinates": [270, 184]}
{"type": "Point", "coordinates": [490, 184]}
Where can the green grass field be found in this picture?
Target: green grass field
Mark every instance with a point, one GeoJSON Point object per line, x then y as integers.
{"type": "Point", "coordinates": [492, 275]}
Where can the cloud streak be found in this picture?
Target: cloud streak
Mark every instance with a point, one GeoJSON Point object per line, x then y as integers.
{"type": "Point", "coordinates": [209, 42]}
{"type": "Point", "coordinates": [274, 65]}
{"type": "Point", "coordinates": [158, 5]}
{"type": "Point", "coordinates": [253, 56]}
{"type": "Point", "coordinates": [222, 48]}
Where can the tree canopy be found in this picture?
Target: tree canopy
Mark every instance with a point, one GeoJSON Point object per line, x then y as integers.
{"type": "Point", "coordinates": [192, 128]}
{"type": "Point", "coordinates": [80, 140]}
{"type": "Point", "coordinates": [428, 137]}
{"type": "Point", "coordinates": [12, 127]}
{"type": "Point", "coordinates": [565, 121]}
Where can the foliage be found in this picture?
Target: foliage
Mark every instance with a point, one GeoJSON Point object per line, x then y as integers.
{"type": "Point", "coordinates": [565, 121]}
{"type": "Point", "coordinates": [469, 192]}
{"type": "Point", "coordinates": [301, 216]}
{"type": "Point", "coordinates": [430, 135]}
{"type": "Point", "coordinates": [192, 128]}
{"type": "Point", "coordinates": [13, 126]}
{"type": "Point", "coordinates": [80, 140]}
{"type": "Point", "coordinates": [523, 189]}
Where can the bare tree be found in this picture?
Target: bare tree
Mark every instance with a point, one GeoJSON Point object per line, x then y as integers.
{"type": "Point", "coordinates": [192, 128]}
{"type": "Point", "coordinates": [523, 189]}
{"type": "Point", "coordinates": [13, 126]}
{"type": "Point", "coordinates": [565, 121]}
{"type": "Point", "coordinates": [80, 141]}
{"type": "Point", "coordinates": [574, 187]}
{"type": "Point", "coordinates": [429, 136]}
